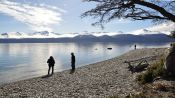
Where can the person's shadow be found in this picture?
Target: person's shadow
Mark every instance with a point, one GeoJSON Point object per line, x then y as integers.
{"type": "Point", "coordinates": [72, 71]}
{"type": "Point", "coordinates": [46, 76]}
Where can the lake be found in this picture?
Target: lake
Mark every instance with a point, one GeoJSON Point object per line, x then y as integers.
{"type": "Point", "coordinates": [20, 61]}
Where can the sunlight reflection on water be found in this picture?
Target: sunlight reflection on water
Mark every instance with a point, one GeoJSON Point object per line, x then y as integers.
{"type": "Point", "coordinates": [26, 60]}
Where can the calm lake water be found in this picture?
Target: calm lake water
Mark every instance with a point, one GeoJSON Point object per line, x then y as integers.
{"type": "Point", "coordinates": [20, 61]}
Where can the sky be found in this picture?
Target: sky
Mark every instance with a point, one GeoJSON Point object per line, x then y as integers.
{"type": "Point", "coordinates": [60, 16]}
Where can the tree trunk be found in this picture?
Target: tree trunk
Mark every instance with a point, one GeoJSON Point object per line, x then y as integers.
{"type": "Point", "coordinates": [170, 61]}
{"type": "Point", "coordinates": [157, 8]}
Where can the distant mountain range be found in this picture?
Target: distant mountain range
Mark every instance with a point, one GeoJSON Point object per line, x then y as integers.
{"type": "Point", "coordinates": [46, 34]}
{"type": "Point", "coordinates": [151, 34]}
{"type": "Point", "coordinates": [46, 37]}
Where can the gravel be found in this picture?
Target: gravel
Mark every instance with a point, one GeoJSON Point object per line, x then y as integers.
{"type": "Point", "coordinates": [102, 79]}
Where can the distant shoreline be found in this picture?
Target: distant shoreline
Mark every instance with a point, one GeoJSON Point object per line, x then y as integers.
{"type": "Point", "coordinates": [120, 38]}
{"type": "Point", "coordinates": [57, 40]}
{"type": "Point", "coordinates": [102, 79]}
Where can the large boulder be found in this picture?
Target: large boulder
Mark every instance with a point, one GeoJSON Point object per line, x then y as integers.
{"type": "Point", "coordinates": [170, 60]}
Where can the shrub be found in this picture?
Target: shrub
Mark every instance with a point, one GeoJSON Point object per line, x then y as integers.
{"type": "Point", "coordinates": [159, 68]}
{"type": "Point", "coordinates": [155, 70]}
{"type": "Point", "coordinates": [145, 77]}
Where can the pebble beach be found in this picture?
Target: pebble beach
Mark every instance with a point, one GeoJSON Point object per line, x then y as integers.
{"type": "Point", "coordinates": [99, 80]}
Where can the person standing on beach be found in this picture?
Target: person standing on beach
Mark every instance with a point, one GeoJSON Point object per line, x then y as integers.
{"type": "Point", "coordinates": [135, 46]}
{"type": "Point", "coordinates": [73, 61]}
{"type": "Point", "coordinates": [51, 63]}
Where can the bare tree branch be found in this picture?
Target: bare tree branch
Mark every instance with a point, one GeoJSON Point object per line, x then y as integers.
{"type": "Point", "coordinates": [107, 10]}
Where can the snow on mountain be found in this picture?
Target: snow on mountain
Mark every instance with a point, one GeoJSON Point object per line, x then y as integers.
{"type": "Point", "coordinates": [143, 32]}
{"type": "Point", "coordinates": [46, 34]}
{"type": "Point", "coordinates": [164, 28]}
{"type": "Point", "coordinates": [69, 35]}
{"type": "Point", "coordinates": [98, 34]}
{"type": "Point", "coordinates": [43, 34]}
{"type": "Point", "coordinates": [4, 35]}
{"type": "Point", "coordinates": [14, 35]}
{"type": "Point", "coordinates": [17, 35]}
{"type": "Point", "coordinates": [121, 38]}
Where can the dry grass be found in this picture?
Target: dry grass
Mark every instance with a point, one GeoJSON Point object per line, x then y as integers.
{"type": "Point", "coordinates": [155, 70]}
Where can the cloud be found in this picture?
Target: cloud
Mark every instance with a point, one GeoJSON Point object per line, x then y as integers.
{"type": "Point", "coordinates": [169, 26]}
{"type": "Point", "coordinates": [37, 17]}
{"type": "Point", "coordinates": [165, 28]}
{"type": "Point", "coordinates": [124, 21]}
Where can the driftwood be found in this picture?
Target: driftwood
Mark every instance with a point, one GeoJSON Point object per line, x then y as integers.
{"type": "Point", "coordinates": [139, 64]}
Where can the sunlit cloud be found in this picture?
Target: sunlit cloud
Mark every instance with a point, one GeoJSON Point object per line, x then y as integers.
{"type": "Point", "coordinates": [165, 28]}
{"type": "Point", "coordinates": [39, 17]}
{"type": "Point", "coordinates": [169, 26]}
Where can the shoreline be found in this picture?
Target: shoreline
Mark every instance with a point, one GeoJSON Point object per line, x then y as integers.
{"type": "Point", "coordinates": [83, 65]}
{"type": "Point", "coordinates": [101, 79]}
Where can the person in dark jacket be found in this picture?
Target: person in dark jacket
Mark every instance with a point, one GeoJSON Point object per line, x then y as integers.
{"type": "Point", "coordinates": [73, 61]}
{"type": "Point", "coordinates": [135, 46]}
{"type": "Point", "coordinates": [51, 63]}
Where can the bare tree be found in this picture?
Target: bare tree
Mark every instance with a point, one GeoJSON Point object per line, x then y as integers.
{"type": "Point", "coordinates": [156, 10]}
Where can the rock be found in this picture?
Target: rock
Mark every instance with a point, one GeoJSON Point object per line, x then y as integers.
{"type": "Point", "coordinates": [109, 48]}
{"type": "Point", "coordinates": [170, 60]}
